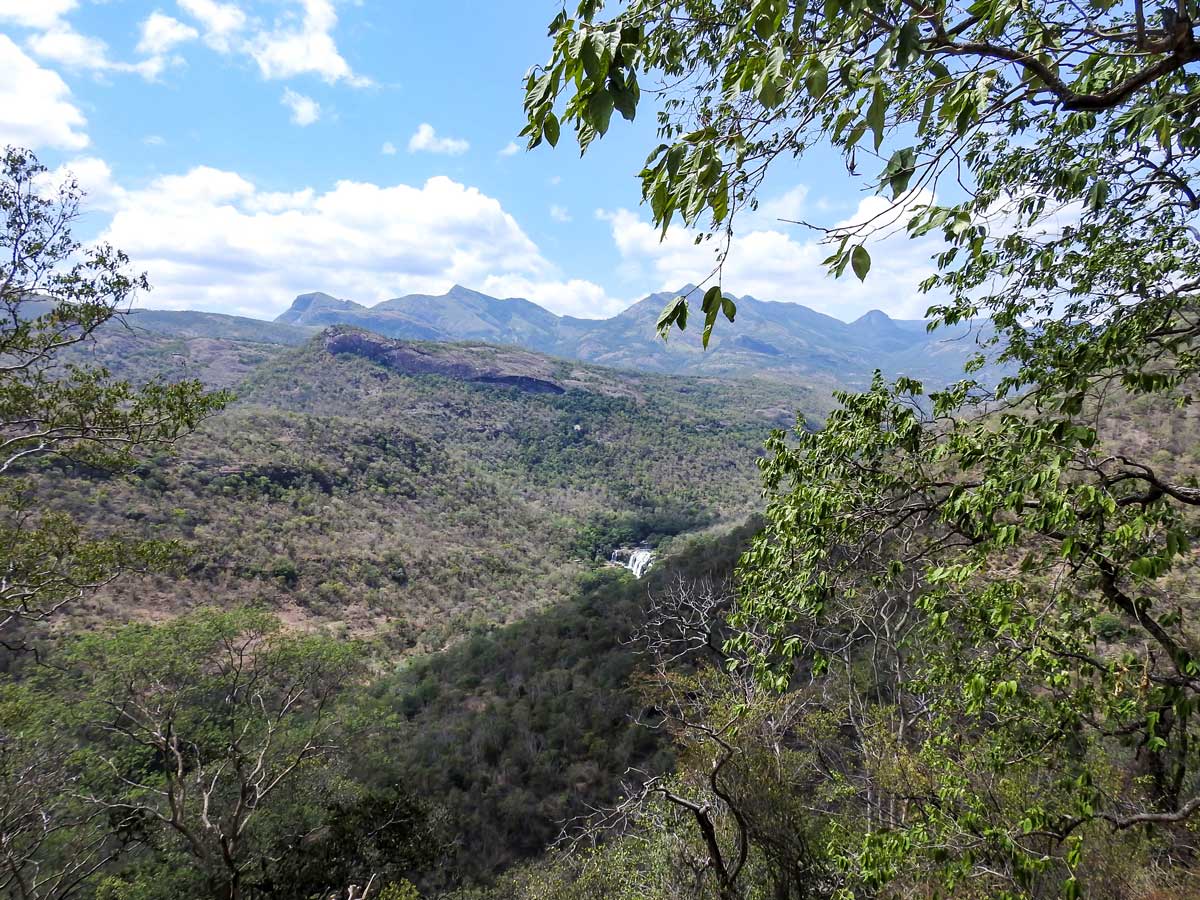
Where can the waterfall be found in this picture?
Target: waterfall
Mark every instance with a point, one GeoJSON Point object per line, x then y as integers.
{"type": "Point", "coordinates": [637, 561]}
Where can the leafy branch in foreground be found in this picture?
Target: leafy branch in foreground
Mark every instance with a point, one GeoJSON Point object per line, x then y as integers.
{"type": "Point", "coordinates": [1060, 128]}
{"type": "Point", "coordinates": [1034, 718]}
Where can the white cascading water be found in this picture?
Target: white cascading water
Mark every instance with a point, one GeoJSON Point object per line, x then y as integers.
{"type": "Point", "coordinates": [636, 561]}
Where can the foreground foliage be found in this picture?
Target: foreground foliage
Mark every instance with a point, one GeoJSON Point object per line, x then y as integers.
{"type": "Point", "coordinates": [990, 591]}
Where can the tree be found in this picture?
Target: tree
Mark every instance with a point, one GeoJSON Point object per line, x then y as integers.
{"type": "Point", "coordinates": [1053, 148]}
{"type": "Point", "coordinates": [369, 837]}
{"type": "Point", "coordinates": [200, 729]}
{"type": "Point", "coordinates": [51, 843]}
{"type": "Point", "coordinates": [1026, 110]}
{"type": "Point", "coordinates": [55, 294]}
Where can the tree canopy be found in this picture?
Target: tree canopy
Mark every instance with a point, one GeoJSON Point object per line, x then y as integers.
{"type": "Point", "coordinates": [1049, 144]}
{"type": "Point", "coordinates": [989, 587]}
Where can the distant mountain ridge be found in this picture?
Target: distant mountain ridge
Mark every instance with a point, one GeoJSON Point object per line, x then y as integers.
{"type": "Point", "coordinates": [784, 339]}
{"type": "Point", "coordinates": [781, 340]}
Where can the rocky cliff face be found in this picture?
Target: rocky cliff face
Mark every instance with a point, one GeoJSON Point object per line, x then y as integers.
{"type": "Point", "coordinates": [485, 365]}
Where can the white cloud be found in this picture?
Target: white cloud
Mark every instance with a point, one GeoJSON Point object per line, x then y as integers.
{"type": "Point", "coordinates": [35, 106]}
{"type": "Point", "coordinates": [210, 239]}
{"type": "Point", "coordinates": [425, 139]}
{"type": "Point", "coordinates": [510, 149]}
{"type": "Point", "coordinates": [300, 42]}
{"type": "Point", "coordinates": [770, 264]}
{"type": "Point", "coordinates": [154, 140]}
{"type": "Point", "coordinates": [94, 178]}
{"type": "Point", "coordinates": [305, 110]}
{"type": "Point", "coordinates": [56, 40]}
{"type": "Point", "coordinates": [887, 216]}
{"type": "Point", "coordinates": [35, 13]}
{"type": "Point", "coordinates": [789, 206]}
{"type": "Point", "coordinates": [388, 149]}
{"type": "Point", "coordinates": [559, 213]}
{"type": "Point", "coordinates": [221, 22]}
{"type": "Point", "coordinates": [161, 34]}
{"type": "Point", "coordinates": [63, 45]}
{"type": "Point", "coordinates": [150, 68]}
{"type": "Point", "coordinates": [572, 297]}
{"type": "Point", "coordinates": [304, 45]}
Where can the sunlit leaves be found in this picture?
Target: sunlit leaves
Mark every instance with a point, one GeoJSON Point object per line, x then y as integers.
{"type": "Point", "coordinates": [1058, 169]}
{"type": "Point", "coordinates": [713, 304]}
{"type": "Point", "coordinates": [899, 171]}
{"type": "Point", "coordinates": [673, 316]}
{"type": "Point", "coordinates": [752, 82]}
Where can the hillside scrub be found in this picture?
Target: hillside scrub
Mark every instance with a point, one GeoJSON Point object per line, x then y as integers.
{"type": "Point", "coordinates": [414, 507]}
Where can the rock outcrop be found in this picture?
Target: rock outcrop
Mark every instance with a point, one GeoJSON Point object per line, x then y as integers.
{"type": "Point", "coordinates": [477, 363]}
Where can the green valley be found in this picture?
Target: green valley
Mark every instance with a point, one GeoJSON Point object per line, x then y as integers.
{"type": "Point", "coordinates": [342, 492]}
{"type": "Point", "coordinates": [793, 494]}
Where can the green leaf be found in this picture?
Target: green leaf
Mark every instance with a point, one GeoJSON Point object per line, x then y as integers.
{"type": "Point", "coordinates": [719, 200]}
{"type": "Point", "coordinates": [768, 92]}
{"type": "Point", "coordinates": [550, 129]}
{"type": "Point", "coordinates": [900, 170]}
{"type": "Point", "coordinates": [875, 115]}
{"type": "Point", "coordinates": [626, 104]}
{"type": "Point", "coordinates": [818, 79]}
{"type": "Point", "coordinates": [763, 26]}
{"type": "Point", "coordinates": [589, 55]}
{"type": "Point", "coordinates": [673, 314]}
{"type": "Point", "coordinates": [599, 110]}
{"type": "Point", "coordinates": [860, 261]}
{"type": "Point", "coordinates": [908, 42]}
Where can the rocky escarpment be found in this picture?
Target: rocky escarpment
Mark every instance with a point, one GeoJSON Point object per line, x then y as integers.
{"type": "Point", "coordinates": [480, 364]}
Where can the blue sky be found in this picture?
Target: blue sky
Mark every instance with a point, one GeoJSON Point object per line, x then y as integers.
{"type": "Point", "coordinates": [243, 151]}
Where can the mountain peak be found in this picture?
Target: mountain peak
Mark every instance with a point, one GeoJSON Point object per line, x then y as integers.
{"type": "Point", "coordinates": [873, 317]}
{"type": "Point", "coordinates": [307, 305]}
{"type": "Point", "coordinates": [786, 338]}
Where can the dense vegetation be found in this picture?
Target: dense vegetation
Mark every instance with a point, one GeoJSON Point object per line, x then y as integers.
{"type": "Point", "coordinates": [415, 507]}
{"type": "Point", "coordinates": [518, 730]}
{"type": "Point", "coordinates": [970, 618]}
{"type": "Point", "coordinates": [958, 656]}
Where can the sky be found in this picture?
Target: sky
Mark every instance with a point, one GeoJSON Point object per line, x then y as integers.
{"type": "Point", "coordinates": [245, 151]}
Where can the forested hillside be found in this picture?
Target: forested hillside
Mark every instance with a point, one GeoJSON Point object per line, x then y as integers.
{"type": "Point", "coordinates": [521, 729]}
{"type": "Point", "coordinates": [339, 490]}
{"type": "Point", "coordinates": [461, 598]}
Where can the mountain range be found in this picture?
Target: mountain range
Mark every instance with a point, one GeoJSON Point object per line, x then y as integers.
{"type": "Point", "coordinates": [783, 340]}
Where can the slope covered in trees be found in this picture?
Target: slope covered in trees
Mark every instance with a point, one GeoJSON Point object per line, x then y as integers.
{"type": "Point", "coordinates": [338, 489]}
